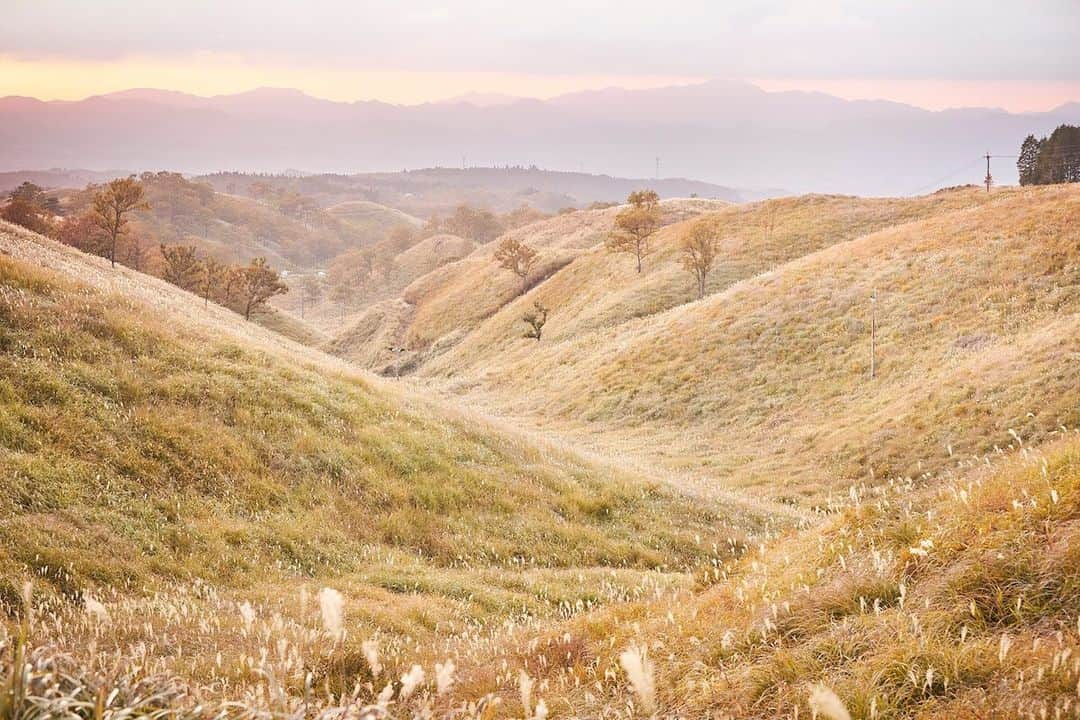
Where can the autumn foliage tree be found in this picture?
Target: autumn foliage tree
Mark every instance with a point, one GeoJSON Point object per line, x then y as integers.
{"type": "Point", "coordinates": [699, 252]}
{"type": "Point", "coordinates": [516, 256]}
{"type": "Point", "coordinates": [25, 214]}
{"type": "Point", "coordinates": [473, 223]}
{"type": "Point", "coordinates": [213, 277]}
{"type": "Point", "coordinates": [255, 284]}
{"type": "Point", "coordinates": [111, 207]}
{"type": "Point", "coordinates": [535, 319]}
{"type": "Point", "coordinates": [29, 207]}
{"type": "Point", "coordinates": [82, 232]}
{"type": "Point", "coordinates": [635, 225]}
{"type": "Point", "coordinates": [182, 266]}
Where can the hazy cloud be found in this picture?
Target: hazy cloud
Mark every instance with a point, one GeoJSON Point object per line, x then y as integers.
{"type": "Point", "coordinates": [963, 39]}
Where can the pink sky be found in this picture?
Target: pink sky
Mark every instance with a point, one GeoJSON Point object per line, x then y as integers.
{"type": "Point", "coordinates": [1021, 56]}
{"type": "Point", "coordinates": [214, 74]}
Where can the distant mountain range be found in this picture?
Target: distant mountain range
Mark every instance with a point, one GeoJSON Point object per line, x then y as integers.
{"type": "Point", "coordinates": [722, 132]}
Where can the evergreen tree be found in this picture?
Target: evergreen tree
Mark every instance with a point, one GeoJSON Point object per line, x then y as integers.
{"type": "Point", "coordinates": [1029, 158]}
{"type": "Point", "coordinates": [1056, 158]}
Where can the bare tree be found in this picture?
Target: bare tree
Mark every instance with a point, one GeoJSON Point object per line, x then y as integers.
{"type": "Point", "coordinates": [341, 294]}
{"type": "Point", "coordinates": [519, 258]}
{"type": "Point", "coordinates": [112, 205]}
{"type": "Point", "coordinates": [311, 291]}
{"type": "Point", "coordinates": [535, 319]}
{"type": "Point", "coordinates": [635, 225]}
{"type": "Point", "coordinates": [699, 251]}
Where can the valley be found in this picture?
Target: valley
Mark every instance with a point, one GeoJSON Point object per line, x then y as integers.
{"type": "Point", "coordinates": [713, 494]}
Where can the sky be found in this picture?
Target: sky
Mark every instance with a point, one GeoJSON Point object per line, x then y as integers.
{"type": "Point", "coordinates": [1021, 56]}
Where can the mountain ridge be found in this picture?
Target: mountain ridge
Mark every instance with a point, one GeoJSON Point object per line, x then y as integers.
{"type": "Point", "coordinates": [721, 132]}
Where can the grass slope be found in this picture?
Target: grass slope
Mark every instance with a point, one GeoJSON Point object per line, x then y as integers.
{"type": "Point", "coordinates": [600, 291]}
{"type": "Point", "coordinates": [150, 444]}
{"type": "Point", "coordinates": [977, 313]}
{"type": "Point", "coordinates": [453, 299]}
{"type": "Point", "coordinates": [372, 219]}
{"type": "Point", "coordinates": [956, 597]}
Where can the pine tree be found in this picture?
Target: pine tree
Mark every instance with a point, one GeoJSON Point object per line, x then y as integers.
{"type": "Point", "coordinates": [1028, 160]}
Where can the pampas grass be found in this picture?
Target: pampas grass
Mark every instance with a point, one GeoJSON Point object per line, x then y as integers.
{"type": "Point", "coordinates": [825, 703]}
{"type": "Point", "coordinates": [639, 671]}
{"type": "Point", "coordinates": [332, 608]}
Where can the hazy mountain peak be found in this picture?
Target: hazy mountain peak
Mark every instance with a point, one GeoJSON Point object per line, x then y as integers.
{"type": "Point", "coordinates": [480, 99]}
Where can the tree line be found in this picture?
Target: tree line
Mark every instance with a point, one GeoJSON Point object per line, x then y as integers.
{"type": "Point", "coordinates": [105, 229]}
{"type": "Point", "coordinates": [1050, 160]}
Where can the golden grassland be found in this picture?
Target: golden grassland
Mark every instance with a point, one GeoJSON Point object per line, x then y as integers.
{"type": "Point", "coordinates": [600, 291]}
{"type": "Point", "coordinates": [948, 596]}
{"type": "Point", "coordinates": [371, 218]}
{"type": "Point", "coordinates": [444, 305]}
{"type": "Point", "coordinates": [144, 454]}
{"type": "Point", "coordinates": [768, 377]}
{"type": "Point", "coordinates": [221, 522]}
{"type": "Point", "coordinates": [952, 596]}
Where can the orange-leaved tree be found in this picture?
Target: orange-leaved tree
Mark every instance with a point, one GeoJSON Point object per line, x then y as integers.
{"type": "Point", "coordinates": [517, 257]}
{"type": "Point", "coordinates": [635, 225]}
{"type": "Point", "coordinates": [257, 283]}
{"type": "Point", "coordinates": [112, 205]}
{"type": "Point", "coordinates": [699, 250]}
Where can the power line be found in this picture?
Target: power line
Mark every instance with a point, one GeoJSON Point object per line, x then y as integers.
{"type": "Point", "coordinates": [963, 168]}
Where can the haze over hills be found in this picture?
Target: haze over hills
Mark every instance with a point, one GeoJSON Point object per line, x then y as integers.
{"type": "Point", "coordinates": [730, 133]}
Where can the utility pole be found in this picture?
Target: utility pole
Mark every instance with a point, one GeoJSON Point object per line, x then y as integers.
{"type": "Point", "coordinates": [657, 167]}
{"type": "Point", "coordinates": [989, 180]}
{"type": "Point", "coordinates": [873, 331]}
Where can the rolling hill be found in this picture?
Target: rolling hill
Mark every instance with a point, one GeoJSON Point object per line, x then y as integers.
{"type": "Point", "coordinates": [666, 507]}
{"type": "Point", "coordinates": [372, 218]}
{"type": "Point", "coordinates": [439, 308]}
{"type": "Point", "coordinates": [151, 444]}
{"type": "Point", "coordinates": [767, 375]}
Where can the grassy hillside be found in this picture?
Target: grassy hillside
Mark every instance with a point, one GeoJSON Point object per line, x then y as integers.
{"type": "Point", "coordinates": [444, 305]}
{"type": "Point", "coordinates": [951, 597]}
{"type": "Point", "coordinates": [716, 513]}
{"type": "Point", "coordinates": [146, 445]}
{"type": "Point", "coordinates": [600, 291]}
{"type": "Point", "coordinates": [370, 218]}
{"type": "Point", "coordinates": [370, 338]}
{"type": "Point", "coordinates": [769, 376]}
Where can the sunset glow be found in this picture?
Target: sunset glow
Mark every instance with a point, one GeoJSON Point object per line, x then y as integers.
{"type": "Point", "coordinates": [209, 74]}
